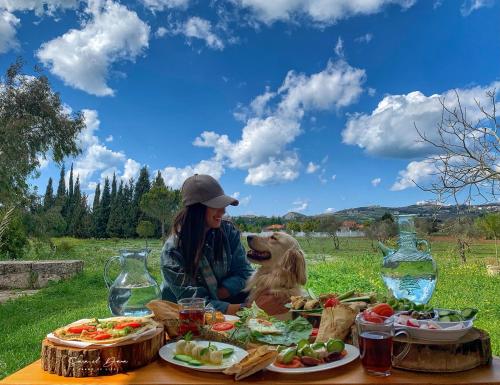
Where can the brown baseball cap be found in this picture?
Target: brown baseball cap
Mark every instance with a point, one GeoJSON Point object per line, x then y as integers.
{"type": "Point", "coordinates": [204, 189]}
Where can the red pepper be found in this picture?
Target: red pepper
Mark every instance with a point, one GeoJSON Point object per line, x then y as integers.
{"type": "Point", "coordinates": [131, 324]}
{"type": "Point", "coordinates": [331, 302]}
{"type": "Point", "coordinates": [78, 329]}
{"type": "Point", "coordinates": [314, 332]}
{"type": "Point", "coordinates": [102, 336]}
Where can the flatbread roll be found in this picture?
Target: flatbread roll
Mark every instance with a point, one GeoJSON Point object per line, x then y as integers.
{"type": "Point", "coordinates": [256, 360]}
{"type": "Point", "coordinates": [336, 322]}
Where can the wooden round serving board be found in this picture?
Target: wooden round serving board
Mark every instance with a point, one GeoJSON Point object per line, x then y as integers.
{"type": "Point", "coordinates": [472, 350]}
{"type": "Point", "coordinates": [97, 361]}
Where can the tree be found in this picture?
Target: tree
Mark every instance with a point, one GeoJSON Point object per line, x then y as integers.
{"type": "Point", "coordinates": [116, 216]}
{"type": "Point", "coordinates": [128, 210]}
{"type": "Point", "coordinates": [464, 231]}
{"type": "Point", "coordinates": [146, 230]}
{"type": "Point", "coordinates": [48, 199]}
{"type": "Point", "coordinates": [467, 148]}
{"type": "Point", "coordinates": [161, 203]}
{"type": "Point", "coordinates": [104, 210]}
{"type": "Point", "coordinates": [96, 216]}
{"type": "Point", "coordinates": [293, 226]}
{"type": "Point", "coordinates": [381, 229]}
{"type": "Point", "coordinates": [331, 225]}
{"type": "Point", "coordinates": [142, 186]}
{"type": "Point", "coordinates": [308, 227]}
{"type": "Point", "coordinates": [33, 124]}
{"type": "Point", "coordinates": [490, 225]}
{"type": "Point", "coordinates": [61, 189]}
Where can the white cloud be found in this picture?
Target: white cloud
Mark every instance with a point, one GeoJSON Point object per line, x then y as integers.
{"type": "Point", "coordinates": [109, 138]}
{"type": "Point", "coordinates": [39, 6]}
{"type": "Point", "coordinates": [174, 176]}
{"type": "Point", "coordinates": [236, 195]}
{"type": "Point", "coordinates": [162, 5]}
{"type": "Point", "coordinates": [83, 58]}
{"type": "Point", "coordinates": [198, 28]}
{"type": "Point", "coordinates": [300, 205]}
{"type": "Point", "coordinates": [390, 129]}
{"type": "Point", "coordinates": [274, 171]}
{"type": "Point", "coordinates": [330, 210]}
{"type": "Point", "coordinates": [131, 170]}
{"type": "Point", "coordinates": [339, 47]}
{"type": "Point", "coordinates": [469, 6]}
{"type": "Point", "coordinates": [244, 201]}
{"type": "Point", "coordinates": [416, 172]}
{"type": "Point", "coordinates": [318, 11]}
{"type": "Point", "coordinates": [160, 32]}
{"type": "Point", "coordinates": [375, 182]}
{"type": "Point", "coordinates": [325, 159]}
{"type": "Point", "coordinates": [334, 177]}
{"type": "Point", "coordinates": [312, 168]}
{"type": "Point", "coordinates": [96, 157]}
{"type": "Point", "coordinates": [366, 38]}
{"type": "Point", "coordinates": [372, 91]}
{"type": "Point", "coordinates": [273, 122]}
{"type": "Point", "coordinates": [8, 24]}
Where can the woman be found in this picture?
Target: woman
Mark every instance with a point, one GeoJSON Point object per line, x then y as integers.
{"type": "Point", "coordinates": [204, 257]}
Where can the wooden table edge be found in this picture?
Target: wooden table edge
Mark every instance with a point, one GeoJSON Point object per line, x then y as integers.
{"type": "Point", "coordinates": [347, 375]}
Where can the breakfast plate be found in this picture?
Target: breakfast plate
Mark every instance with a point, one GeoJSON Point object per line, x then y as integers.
{"type": "Point", "coordinates": [352, 354]}
{"type": "Point", "coordinates": [168, 352]}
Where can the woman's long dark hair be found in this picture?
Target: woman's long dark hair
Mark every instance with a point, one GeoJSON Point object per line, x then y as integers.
{"type": "Point", "coordinates": [189, 226]}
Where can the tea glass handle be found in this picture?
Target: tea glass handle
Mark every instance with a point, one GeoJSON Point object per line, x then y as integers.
{"type": "Point", "coordinates": [406, 349]}
{"type": "Point", "coordinates": [210, 309]}
{"type": "Point", "coordinates": [108, 281]}
{"type": "Point", "coordinates": [424, 242]}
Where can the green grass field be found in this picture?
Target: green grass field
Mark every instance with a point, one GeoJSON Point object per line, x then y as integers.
{"type": "Point", "coordinates": [25, 321]}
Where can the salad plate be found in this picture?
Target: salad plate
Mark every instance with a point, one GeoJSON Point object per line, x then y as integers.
{"type": "Point", "coordinates": [352, 354]}
{"type": "Point", "coordinates": [168, 352]}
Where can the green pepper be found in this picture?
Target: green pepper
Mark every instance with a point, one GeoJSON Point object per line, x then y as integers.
{"type": "Point", "coordinates": [335, 346]}
{"type": "Point", "coordinates": [287, 355]}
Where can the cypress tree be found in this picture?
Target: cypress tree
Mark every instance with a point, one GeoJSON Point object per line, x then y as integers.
{"type": "Point", "coordinates": [113, 189]}
{"type": "Point", "coordinates": [96, 211]}
{"type": "Point", "coordinates": [75, 217]}
{"type": "Point", "coordinates": [61, 188]}
{"type": "Point", "coordinates": [159, 182]}
{"type": "Point", "coordinates": [70, 187]}
{"type": "Point", "coordinates": [128, 212]}
{"type": "Point", "coordinates": [115, 222]}
{"type": "Point", "coordinates": [142, 186]}
{"type": "Point", "coordinates": [104, 209]}
{"type": "Point", "coordinates": [48, 199]}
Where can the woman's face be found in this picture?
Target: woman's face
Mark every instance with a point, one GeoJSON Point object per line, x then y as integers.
{"type": "Point", "coordinates": [213, 217]}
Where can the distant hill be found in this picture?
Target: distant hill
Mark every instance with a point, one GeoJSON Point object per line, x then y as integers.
{"type": "Point", "coordinates": [361, 214]}
{"type": "Point", "coordinates": [293, 216]}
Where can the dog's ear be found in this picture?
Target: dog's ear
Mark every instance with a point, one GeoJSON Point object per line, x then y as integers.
{"type": "Point", "coordinates": [294, 263]}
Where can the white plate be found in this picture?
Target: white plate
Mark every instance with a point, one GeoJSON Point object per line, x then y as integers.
{"type": "Point", "coordinates": [436, 334]}
{"type": "Point", "coordinates": [167, 352]}
{"type": "Point", "coordinates": [352, 354]}
{"type": "Point", "coordinates": [231, 318]}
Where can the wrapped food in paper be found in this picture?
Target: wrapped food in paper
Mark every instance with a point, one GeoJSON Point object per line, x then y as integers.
{"type": "Point", "coordinates": [336, 322]}
{"type": "Point", "coordinates": [256, 360]}
{"type": "Point", "coordinates": [166, 313]}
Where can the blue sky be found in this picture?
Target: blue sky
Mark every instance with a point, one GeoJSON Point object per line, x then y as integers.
{"type": "Point", "coordinates": [304, 105]}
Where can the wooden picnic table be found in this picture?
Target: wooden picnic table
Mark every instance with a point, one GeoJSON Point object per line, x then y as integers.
{"type": "Point", "coordinates": [161, 372]}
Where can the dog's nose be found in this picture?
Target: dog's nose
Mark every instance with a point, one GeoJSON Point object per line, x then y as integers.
{"type": "Point", "coordinates": [249, 238]}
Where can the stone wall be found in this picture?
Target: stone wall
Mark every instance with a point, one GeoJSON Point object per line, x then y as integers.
{"type": "Point", "coordinates": [36, 274]}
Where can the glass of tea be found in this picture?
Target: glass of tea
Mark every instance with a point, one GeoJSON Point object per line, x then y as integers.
{"type": "Point", "coordinates": [375, 344]}
{"type": "Point", "coordinates": [191, 315]}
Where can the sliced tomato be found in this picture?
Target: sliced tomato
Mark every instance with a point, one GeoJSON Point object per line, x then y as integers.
{"type": "Point", "coordinates": [413, 324]}
{"type": "Point", "coordinates": [222, 326]}
{"type": "Point", "coordinates": [131, 324]}
{"type": "Point", "coordinates": [331, 302]}
{"type": "Point", "coordinates": [101, 336]}
{"type": "Point", "coordinates": [80, 328]}
{"type": "Point", "coordinates": [314, 332]}
{"type": "Point", "coordinates": [383, 309]}
{"type": "Point", "coordinates": [295, 363]}
{"type": "Point", "coordinates": [370, 316]}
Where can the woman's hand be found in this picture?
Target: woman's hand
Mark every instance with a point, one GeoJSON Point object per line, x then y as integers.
{"type": "Point", "coordinates": [233, 308]}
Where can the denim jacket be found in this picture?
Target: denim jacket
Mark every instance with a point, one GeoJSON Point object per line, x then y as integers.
{"type": "Point", "coordinates": [232, 272]}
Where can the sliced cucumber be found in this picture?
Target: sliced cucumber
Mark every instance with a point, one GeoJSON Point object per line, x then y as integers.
{"type": "Point", "coordinates": [227, 352]}
{"type": "Point", "coordinates": [443, 312]}
{"type": "Point", "coordinates": [183, 358]}
{"type": "Point", "coordinates": [455, 317]}
{"type": "Point", "coordinates": [195, 362]}
{"type": "Point", "coordinates": [445, 318]}
{"type": "Point", "coordinates": [469, 313]}
{"type": "Point", "coordinates": [335, 346]}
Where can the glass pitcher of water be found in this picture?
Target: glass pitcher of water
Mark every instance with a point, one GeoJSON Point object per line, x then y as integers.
{"type": "Point", "coordinates": [409, 272]}
{"type": "Point", "coordinates": [134, 287]}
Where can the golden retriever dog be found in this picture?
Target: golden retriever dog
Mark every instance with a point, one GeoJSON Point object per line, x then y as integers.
{"type": "Point", "coordinates": [281, 274]}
